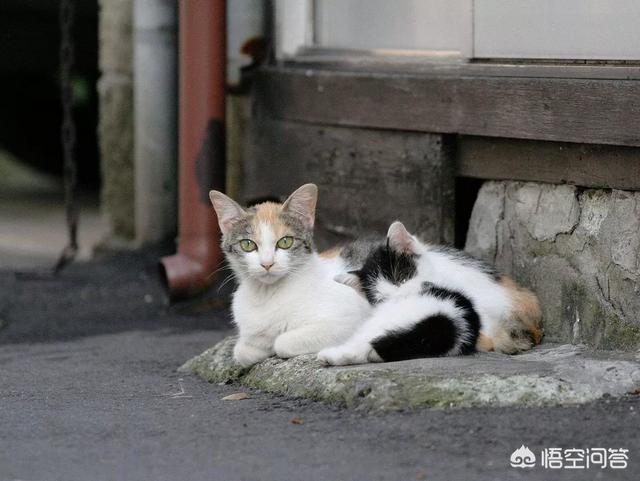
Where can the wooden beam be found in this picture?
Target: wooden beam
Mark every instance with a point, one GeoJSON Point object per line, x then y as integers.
{"type": "Point", "coordinates": [367, 178]}
{"type": "Point", "coordinates": [593, 111]}
{"type": "Point", "coordinates": [601, 166]}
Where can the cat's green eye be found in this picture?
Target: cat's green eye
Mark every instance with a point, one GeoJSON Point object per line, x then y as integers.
{"type": "Point", "coordinates": [285, 242]}
{"type": "Point", "coordinates": [248, 245]}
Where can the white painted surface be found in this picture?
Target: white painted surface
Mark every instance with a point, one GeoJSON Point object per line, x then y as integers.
{"type": "Point", "coordinates": [552, 29]}
{"type": "Point", "coordinates": [245, 20]}
{"type": "Point", "coordinates": [294, 29]}
{"type": "Point", "coordinates": [155, 118]}
{"type": "Point", "coordinates": [395, 25]}
{"type": "Point", "coordinates": [561, 29]}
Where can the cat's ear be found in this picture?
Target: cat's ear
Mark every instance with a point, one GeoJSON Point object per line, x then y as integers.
{"type": "Point", "coordinates": [303, 203]}
{"type": "Point", "coordinates": [400, 240]}
{"type": "Point", "coordinates": [349, 279]}
{"type": "Point", "coordinates": [227, 209]}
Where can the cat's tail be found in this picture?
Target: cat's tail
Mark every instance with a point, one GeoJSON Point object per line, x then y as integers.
{"type": "Point", "coordinates": [521, 330]}
{"type": "Point", "coordinates": [451, 329]}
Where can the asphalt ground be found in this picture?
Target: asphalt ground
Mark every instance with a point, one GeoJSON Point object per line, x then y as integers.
{"type": "Point", "coordinates": [89, 391]}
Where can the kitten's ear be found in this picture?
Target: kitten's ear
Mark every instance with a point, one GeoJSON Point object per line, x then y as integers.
{"type": "Point", "coordinates": [303, 203]}
{"type": "Point", "coordinates": [400, 240]}
{"type": "Point", "coordinates": [349, 279]}
{"type": "Point", "coordinates": [227, 209]}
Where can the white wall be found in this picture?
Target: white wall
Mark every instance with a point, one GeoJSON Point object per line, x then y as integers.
{"type": "Point", "coordinates": [553, 29]}
{"type": "Point", "coordinates": [562, 29]}
{"type": "Point", "coordinates": [399, 24]}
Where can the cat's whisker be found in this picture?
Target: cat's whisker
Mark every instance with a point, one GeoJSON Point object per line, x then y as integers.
{"type": "Point", "coordinates": [228, 279]}
{"type": "Point", "coordinates": [225, 266]}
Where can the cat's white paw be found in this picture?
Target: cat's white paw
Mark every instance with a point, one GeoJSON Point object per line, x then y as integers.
{"type": "Point", "coordinates": [341, 356]}
{"type": "Point", "coordinates": [247, 355]}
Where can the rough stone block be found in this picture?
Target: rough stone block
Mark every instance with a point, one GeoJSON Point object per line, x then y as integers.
{"type": "Point", "coordinates": [115, 35]}
{"type": "Point", "coordinates": [115, 129]}
{"type": "Point", "coordinates": [578, 249]}
{"type": "Point", "coordinates": [548, 375]}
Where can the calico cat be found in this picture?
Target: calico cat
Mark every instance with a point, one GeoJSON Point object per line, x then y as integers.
{"type": "Point", "coordinates": [434, 301]}
{"type": "Point", "coordinates": [287, 302]}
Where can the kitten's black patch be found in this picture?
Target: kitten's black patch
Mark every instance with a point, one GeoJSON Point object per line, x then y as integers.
{"type": "Point", "coordinates": [463, 303]}
{"type": "Point", "coordinates": [464, 258]}
{"type": "Point", "coordinates": [434, 335]}
{"type": "Point", "coordinates": [395, 267]}
{"type": "Point", "coordinates": [431, 337]}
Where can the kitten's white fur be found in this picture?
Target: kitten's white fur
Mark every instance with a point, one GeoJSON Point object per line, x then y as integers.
{"type": "Point", "coordinates": [303, 313]}
{"type": "Point", "coordinates": [399, 312]}
{"type": "Point", "coordinates": [403, 305]}
{"type": "Point", "coordinates": [290, 308]}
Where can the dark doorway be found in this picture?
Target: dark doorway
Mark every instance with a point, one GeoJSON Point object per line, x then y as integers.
{"type": "Point", "coordinates": [30, 113]}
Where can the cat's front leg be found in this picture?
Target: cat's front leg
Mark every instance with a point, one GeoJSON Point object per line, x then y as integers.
{"type": "Point", "coordinates": [247, 353]}
{"type": "Point", "coordinates": [304, 340]}
{"type": "Point", "coordinates": [293, 343]}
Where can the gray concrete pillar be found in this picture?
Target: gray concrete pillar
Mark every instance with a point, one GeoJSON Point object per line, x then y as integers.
{"type": "Point", "coordinates": [115, 128]}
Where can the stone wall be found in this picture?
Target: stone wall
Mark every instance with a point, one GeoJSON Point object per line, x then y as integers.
{"type": "Point", "coordinates": [579, 249]}
{"type": "Point", "coordinates": [115, 128]}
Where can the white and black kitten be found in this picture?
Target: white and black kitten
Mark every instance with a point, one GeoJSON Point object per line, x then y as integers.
{"type": "Point", "coordinates": [434, 301]}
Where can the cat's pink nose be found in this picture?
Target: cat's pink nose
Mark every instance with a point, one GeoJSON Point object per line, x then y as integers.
{"type": "Point", "coordinates": [266, 265]}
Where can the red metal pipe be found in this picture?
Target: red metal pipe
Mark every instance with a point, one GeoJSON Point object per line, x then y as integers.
{"type": "Point", "coordinates": [202, 159]}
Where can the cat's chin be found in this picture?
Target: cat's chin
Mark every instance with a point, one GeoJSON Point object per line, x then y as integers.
{"type": "Point", "coordinates": [268, 279]}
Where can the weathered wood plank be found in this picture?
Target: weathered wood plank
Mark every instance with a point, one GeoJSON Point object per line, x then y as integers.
{"type": "Point", "coordinates": [367, 61]}
{"type": "Point", "coordinates": [367, 178]}
{"type": "Point", "coordinates": [570, 110]}
{"type": "Point", "coordinates": [601, 166]}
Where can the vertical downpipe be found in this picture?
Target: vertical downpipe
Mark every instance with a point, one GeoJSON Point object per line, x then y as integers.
{"type": "Point", "coordinates": [202, 145]}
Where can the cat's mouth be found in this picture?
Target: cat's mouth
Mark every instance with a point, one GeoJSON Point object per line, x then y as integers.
{"type": "Point", "coordinates": [269, 277]}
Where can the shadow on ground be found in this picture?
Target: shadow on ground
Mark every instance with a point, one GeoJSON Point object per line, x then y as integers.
{"type": "Point", "coordinates": [117, 293]}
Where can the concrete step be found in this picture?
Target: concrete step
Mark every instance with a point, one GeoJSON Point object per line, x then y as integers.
{"type": "Point", "coordinates": [551, 374]}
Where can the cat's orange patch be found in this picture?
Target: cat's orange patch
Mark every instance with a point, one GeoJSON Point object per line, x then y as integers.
{"type": "Point", "coordinates": [484, 344]}
{"type": "Point", "coordinates": [526, 308]}
{"type": "Point", "coordinates": [269, 213]}
{"type": "Point", "coordinates": [331, 253]}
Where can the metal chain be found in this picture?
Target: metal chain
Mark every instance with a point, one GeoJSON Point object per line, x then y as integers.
{"type": "Point", "coordinates": [68, 131]}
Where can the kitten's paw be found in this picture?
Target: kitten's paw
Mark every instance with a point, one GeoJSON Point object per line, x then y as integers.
{"type": "Point", "coordinates": [341, 356]}
{"type": "Point", "coordinates": [247, 355]}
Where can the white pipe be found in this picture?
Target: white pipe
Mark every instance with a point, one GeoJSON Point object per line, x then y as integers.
{"type": "Point", "coordinates": [155, 118]}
